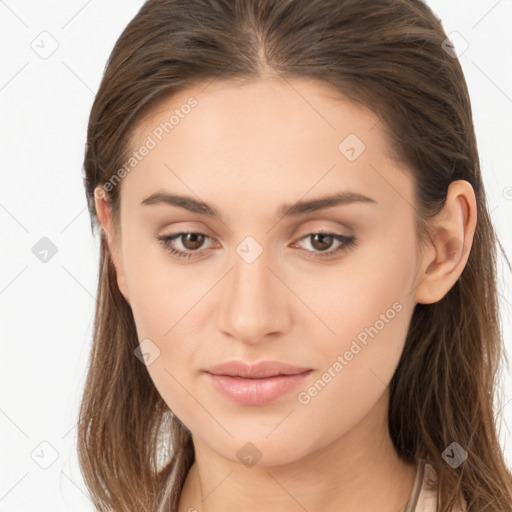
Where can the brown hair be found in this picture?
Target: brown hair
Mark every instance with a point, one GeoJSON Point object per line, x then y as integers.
{"type": "Point", "coordinates": [388, 55]}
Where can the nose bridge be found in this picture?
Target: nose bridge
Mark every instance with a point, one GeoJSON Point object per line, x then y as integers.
{"type": "Point", "coordinates": [251, 305]}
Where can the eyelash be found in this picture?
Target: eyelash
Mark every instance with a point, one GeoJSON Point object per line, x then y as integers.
{"type": "Point", "coordinates": [347, 242]}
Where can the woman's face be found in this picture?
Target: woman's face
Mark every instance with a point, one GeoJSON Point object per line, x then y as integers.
{"type": "Point", "coordinates": [259, 285]}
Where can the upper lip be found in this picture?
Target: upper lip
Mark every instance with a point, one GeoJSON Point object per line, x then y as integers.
{"type": "Point", "coordinates": [255, 371]}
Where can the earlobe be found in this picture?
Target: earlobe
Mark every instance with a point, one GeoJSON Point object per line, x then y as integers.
{"type": "Point", "coordinates": [452, 237]}
{"type": "Point", "coordinates": [104, 214]}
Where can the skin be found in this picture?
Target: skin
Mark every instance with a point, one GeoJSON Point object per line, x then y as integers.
{"type": "Point", "coordinates": [247, 149]}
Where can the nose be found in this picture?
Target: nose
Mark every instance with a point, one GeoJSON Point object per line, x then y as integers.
{"type": "Point", "coordinates": [253, 302]}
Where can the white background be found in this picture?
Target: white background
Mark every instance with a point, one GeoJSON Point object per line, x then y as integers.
{"type": "Point", "coordinates": [47, 308]}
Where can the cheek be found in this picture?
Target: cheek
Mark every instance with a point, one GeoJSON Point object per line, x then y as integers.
{"type": "Point", "coordinates": [160, 300]}
{"type": "Point", "coordinates": [369, 309]}
{"type": "Point", "coordinates": [164, 298]}
{"type": "Point", "coordinates": [365, 305]}
{"type": "Point", "coordinates": [156, 287]}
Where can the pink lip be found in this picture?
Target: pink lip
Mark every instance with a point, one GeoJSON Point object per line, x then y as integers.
{"type": "Point", "coordinates": [256, 384]}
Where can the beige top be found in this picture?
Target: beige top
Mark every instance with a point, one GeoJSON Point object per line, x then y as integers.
{"type": "Point", "coordinates": [422, 498]}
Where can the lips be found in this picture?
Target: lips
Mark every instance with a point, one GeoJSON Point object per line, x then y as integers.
{"type": "Point", "coordinates": [261, 370]}
{"type": "Point", "coordinates": [258, 384]}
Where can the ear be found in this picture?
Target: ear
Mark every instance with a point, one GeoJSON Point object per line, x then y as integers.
{"type": "Point", "coordinates": [452, 233]}
{"type": "Point", "coordinates": [104, 214]}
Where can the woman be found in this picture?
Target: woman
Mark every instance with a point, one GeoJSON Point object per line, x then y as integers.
{"type": "Point", "coordinates": [297, 302]}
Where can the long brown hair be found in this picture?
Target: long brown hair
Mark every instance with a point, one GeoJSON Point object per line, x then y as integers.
{"type": "Point", "coordinates": [389, 55]}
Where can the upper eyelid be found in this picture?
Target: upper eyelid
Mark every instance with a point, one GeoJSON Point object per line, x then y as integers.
{"type": "Point", "coordinates": [320, 221]}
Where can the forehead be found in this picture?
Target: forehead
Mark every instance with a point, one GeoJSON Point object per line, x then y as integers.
{"type": "Point", "coordinates": [269, 138]}
{"type": "Point", "coordinates": [275, 111]}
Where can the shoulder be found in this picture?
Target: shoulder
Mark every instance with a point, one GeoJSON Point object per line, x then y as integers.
{"type": "Point", "coordinates": [424, 497]}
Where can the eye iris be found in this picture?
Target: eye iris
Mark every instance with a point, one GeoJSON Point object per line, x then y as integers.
{"type": "Point", "coordinates": [323, 245]}
{"type": "Point", "coordinates": [196, 240]}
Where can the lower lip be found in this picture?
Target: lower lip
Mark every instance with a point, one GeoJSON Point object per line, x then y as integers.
{"type": "Point", "coordinates": [256, 391]}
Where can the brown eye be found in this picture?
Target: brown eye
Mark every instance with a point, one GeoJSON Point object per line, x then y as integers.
{"type": "Point", "coordinates": [192, 241]}
{"type": "Point", "coordinates": [321, 241]}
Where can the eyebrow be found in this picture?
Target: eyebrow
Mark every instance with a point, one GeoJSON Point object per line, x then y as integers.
{"type": "Point", "coordinates": [287, 210]}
